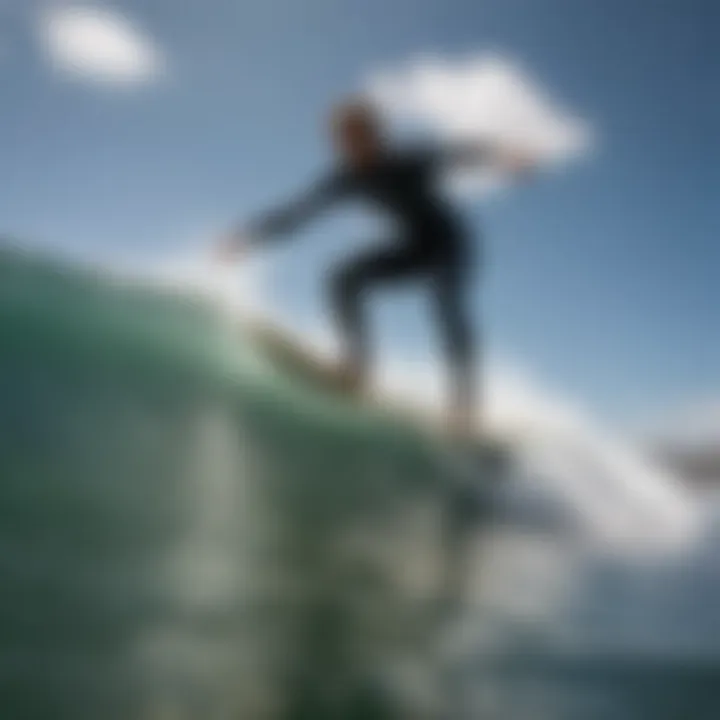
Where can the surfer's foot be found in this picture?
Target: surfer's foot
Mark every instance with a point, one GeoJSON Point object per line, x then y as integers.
{"type": "Point", "coordinates": [351, 379]}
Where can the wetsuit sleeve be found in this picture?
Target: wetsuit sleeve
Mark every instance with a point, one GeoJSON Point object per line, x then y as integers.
{"type": "Point", "coordinates": [294, 214]}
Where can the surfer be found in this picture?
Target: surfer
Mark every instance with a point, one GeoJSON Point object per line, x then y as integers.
{"type": "Point", "coordinates": [431, 242]}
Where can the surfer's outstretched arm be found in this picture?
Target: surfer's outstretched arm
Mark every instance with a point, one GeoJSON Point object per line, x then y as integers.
{"type": "Point", "coordinates": [291, 216]}
{"type": "Point", "coordinates": [283, 220]}
{"type": "Point", "coordinates": [479, 153]}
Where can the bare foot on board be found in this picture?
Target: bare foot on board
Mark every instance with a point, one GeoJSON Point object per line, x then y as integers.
{"type": "Point", "coordinates": [350, 380]}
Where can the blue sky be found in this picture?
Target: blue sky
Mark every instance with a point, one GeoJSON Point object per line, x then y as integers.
{"type": "Point", "coordinates": [603, 275]}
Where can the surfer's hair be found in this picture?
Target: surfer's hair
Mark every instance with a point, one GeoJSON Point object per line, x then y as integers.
{"type": "Point", "coordinates": [358, 112]}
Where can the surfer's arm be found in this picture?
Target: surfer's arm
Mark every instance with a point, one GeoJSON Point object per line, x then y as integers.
{"type": "Point", "coordinates": [474, 154]}
{"type": "Point", "coordinates": [293, 215]}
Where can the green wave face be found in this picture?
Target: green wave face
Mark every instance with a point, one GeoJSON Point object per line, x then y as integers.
{"type": "Point", "coordinates": [186, 530]}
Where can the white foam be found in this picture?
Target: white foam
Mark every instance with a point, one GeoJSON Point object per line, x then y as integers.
{"type": "Point", "coordinates": [620, 496]}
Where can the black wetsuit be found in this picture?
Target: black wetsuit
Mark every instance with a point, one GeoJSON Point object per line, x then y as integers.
{"type": "Point", "coordinates": [431, 243]}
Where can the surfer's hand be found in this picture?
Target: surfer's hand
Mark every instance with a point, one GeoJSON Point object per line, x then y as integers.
{"type": "Point", "coordinates": [517, 162]}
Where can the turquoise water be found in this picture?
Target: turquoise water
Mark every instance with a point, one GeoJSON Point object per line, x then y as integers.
{"type": "Point", "coordinates": [186, 533]}
{"type": "Point", "coordinates": [184, 530]}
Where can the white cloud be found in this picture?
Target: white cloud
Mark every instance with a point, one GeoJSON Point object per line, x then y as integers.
{"type": "Point", "coordinates": [99, 45]}
{"type": "Point", "coordinates": [482, 96]}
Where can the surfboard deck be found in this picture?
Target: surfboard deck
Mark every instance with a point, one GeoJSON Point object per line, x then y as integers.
{"type": "Point", "coordinates": [299, 359]}
{"type": "Point", "coordinates": [302, 361]}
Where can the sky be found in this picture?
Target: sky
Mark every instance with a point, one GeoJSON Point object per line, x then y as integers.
{"type": "Point", "coordinates": [139, 128]}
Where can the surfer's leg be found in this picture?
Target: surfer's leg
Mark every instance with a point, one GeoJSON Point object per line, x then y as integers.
{"type": "Point", "coordinates": [348, 286]}
{"type": "Point", "coordinates": [450, 283]}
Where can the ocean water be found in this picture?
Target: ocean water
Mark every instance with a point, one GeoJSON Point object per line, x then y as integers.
{"type": "Point", "coordinates": [186, 533]}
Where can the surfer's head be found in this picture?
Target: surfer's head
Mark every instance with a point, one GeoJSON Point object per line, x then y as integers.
{"type": "Point", "coordinates": [357, 132]}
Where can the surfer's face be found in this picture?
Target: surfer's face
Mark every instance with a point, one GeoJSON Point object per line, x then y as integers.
{"type": "Point", "coordinates": [357, 135]}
